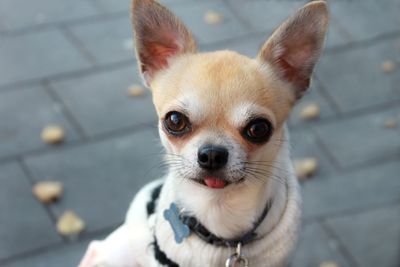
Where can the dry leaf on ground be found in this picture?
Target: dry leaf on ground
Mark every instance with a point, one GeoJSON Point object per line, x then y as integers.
{"type": "Point", "coordinates": [48, 191]}
{"type": "Point", "coordinates": [136, 90]}
{"type": "Point", "coordinates": [305, 167]}
{"type": "Point", "coordinates": [310, 111]}
{"type": "Point", "coordinates": [70, 223]}
{"type": "Point", "coordinates": [212, 17]}
{"type": "Point", "coordinates": [329, 264]}
{"type": "Point", "coordinates": [53, 134]}
{"type": "Point", "coordinates": [390, 123]}
{"type": "Point", "coordinates": [388, 66]}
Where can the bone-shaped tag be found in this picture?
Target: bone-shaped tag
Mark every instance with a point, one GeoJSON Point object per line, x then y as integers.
{"type": "Point", "coordinates": [181, 230]}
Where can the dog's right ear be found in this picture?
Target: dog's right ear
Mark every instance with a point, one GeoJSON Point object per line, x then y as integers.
{"type": "Point", "coordinates": [159, 36]}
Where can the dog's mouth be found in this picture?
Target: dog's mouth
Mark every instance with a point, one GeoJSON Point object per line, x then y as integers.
{"type": "Point", "coordinates": [214, 182]}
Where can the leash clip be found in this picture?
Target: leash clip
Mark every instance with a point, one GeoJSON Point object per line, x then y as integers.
{"type": "Point", "coordinates": [237, 259]}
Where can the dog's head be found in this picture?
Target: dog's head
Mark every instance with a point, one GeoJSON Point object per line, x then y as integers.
{"type": "Point", "coordinates": [222, 114]}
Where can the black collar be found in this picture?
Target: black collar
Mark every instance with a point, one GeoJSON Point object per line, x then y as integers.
{"type": "Point", "coordinates": [210, 238]}
{"type": "Point", "coordinates": [201, 231]}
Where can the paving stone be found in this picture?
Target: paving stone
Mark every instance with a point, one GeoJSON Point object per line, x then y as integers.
{"type": "Point", "coordinates": [124, 5]}
{"type": "Point", "coordinates": [24, 223]}
{"type": "Point", "coordinates": [32, 13]}
{"type": "Point", "coordinates": [365, 19]}
{"type": "Point", "coordinates": [265, 16]}
{"type": "Point", "coordinates": [362, 139]}
{"type": "Point", "coordinates": [355, 79]}
{"type": "Point", "coordinates": [23, 115]}
{"type": "Point", "coordinates": [62, 256]}
{"type": "Point", "coordinates": [371, 237]}
{"type": "Point", "coordinates": [193, 16]}
{"type": "Point", "coordinates": [37, 54]}
{"type": "Point", "coordinates": [109, 40]}
{"type": "Point", "coordinates": [100, 102]}
{"type": "Point", "coordinates": [360, 189]}
{"type": "Point", "coordinates": [115, 5]}
{"type": "Point", "coordinates": [336, 36]}
{"type": "Point", "coordinates": [101, 178]}
{"type": "Point", "coordinates": [246, 46]}
{"type": "Point", "coordinates": [316, 246]}
{"type": "Point", "coordinates": [304, 145]}
{"type": "Point", "coordinates": [314, 95]}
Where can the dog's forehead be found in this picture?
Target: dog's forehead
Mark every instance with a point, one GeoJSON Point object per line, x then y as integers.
{"type": "Point", "coordinates": [211, 83]}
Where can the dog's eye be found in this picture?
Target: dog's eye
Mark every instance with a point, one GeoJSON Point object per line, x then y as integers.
{"type": "Point", "coordinates": [258, 130]}
{"type": "Point", "coordinates": [176, 123]}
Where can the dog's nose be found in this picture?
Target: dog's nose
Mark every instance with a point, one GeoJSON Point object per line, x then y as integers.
{"type": "Point", "coordinates": [212, 157]}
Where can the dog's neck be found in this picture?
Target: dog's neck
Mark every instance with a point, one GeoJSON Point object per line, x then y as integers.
{"type": "Point", "coordinates": [231, 212]}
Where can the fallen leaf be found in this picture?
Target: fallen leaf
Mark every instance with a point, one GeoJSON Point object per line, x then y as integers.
{"type": "Point", "coordinates": [70, 224]}
{"type": "Point", "coordinates": [388, 66]}
{"type": "Point", "coordinates": [328, 264]}
{"type": "Point", "coordinates": [136, 90]}
{"type": "Point", "coordinates": [305, 167]}
{"type": "Point", "coordinates": [52, 134]}
{"type": "Point", "coordinates": [212, 17]}
{"type": "Point", "coordinates": [390, 123]}
{"type": "Point", "coordinates": [48, 191]}
{"type": "Point", "coordinates": [310, 111]}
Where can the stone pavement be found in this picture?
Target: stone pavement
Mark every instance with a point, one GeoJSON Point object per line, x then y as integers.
{"type": "Point", "coordinates": [70, 62]}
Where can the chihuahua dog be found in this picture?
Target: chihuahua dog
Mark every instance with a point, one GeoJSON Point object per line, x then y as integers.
{"type": "Point", "coordinates": [230, 197]}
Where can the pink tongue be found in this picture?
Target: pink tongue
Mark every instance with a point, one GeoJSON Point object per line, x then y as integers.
{"type": "Point", "coordinates": [214, 182]}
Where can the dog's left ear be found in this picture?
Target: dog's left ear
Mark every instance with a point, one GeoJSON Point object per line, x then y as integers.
{"type": "Point", "coordinates": [159, 36]}
{"type": "Point", "coordinates": [296, 45]}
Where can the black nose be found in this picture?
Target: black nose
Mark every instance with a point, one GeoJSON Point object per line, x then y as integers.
{"type": "Point", "coordinates": [212, 157]}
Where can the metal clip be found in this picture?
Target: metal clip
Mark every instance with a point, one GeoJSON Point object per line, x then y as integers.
{"type": "Point", "coordinates": [237, 259]}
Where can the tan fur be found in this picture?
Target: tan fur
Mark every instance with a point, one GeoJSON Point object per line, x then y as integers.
{"type": "Point", "coordinates": [223, 80]}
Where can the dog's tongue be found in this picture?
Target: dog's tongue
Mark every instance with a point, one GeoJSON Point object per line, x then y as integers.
{"type": "Point", "coordinates": [213, 182]}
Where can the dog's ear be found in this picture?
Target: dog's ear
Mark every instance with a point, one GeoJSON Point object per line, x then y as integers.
{"type": "Point", "coordinates": [159, 36]}
{"type": "Point", "coordinates": [294, 48]}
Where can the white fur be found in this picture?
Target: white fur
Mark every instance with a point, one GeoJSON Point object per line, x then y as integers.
{"type": "Point", "coordinates": [226, 212]}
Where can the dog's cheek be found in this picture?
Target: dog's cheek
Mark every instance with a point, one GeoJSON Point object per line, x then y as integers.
{"type": "Point", "coordinates": [237, 159]}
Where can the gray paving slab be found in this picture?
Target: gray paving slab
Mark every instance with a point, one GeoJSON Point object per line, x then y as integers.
{"type": "Point", "coordinates": [37, 54]}
{"type": "Point", "coordinates": [315, 246]}
{"type": "Point", "coordinates": [100, 179]}
{"type": "Point", "coordinates": [373, 237]}
{"type": "Point", "coordinates": [314, 96]}
{"type": "Point", "coordinates": [265, 16]}
{"type": "Point", "coordinates": [336, 36]}
{"type": "Point", "coordinates": [114, 6]}
{"type": "Point", "coordinates": [100, 101]}
{"type": "Point", "coordinates": [360, 189]}
{"type": "Point", "coordinates": [365, 19]}
{"type": "Point", "coordinates": [363, 139]}
{"type": "Point", "coordinates": [355, 78]}
{"type": "Point", "coordinates": [109, 40]}
{"type": "Point", "coordinates": [61, 256]}
{"type": "Point", "coordinates": [25, 225]}
{"type": "Point", "coordinates": [124, 5]}
{"type": "Point", "coordinates": [193, 16]}
{"type": "Point", "coordinates": [248, 46]}
{"type": "Point", "coordinates": [305, 145]}
{"type": "Point", "coordinates": [17, 14]}
{"type": "Point", "coordinates": [23, 115]}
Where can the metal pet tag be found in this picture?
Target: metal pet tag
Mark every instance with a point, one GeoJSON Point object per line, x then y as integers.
{"type": "Point", "coordinates": [237, 259]}
{"type": "Point", "coordinates": [181, 230]}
